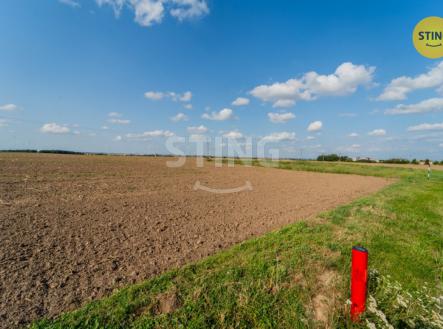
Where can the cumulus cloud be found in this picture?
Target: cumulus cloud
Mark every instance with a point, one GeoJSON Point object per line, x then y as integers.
{"type": "Point", "coordinates": [426, 126]}
{"type": "Point", "coordinates": [159, 95]}
{"type": "Point", "coordinates": [400, 87]}
{"type": "Point", "coordinates": [150, 12]}
{"type": "Point", "coordinates": [353, 135]}
{"type": "Point", "coordinates": [280, 117]}
{"type": "Point", "coordinates": [186, 97]}
{"type": "Point", "coordinates": [188, 106]}
{"type": "Point", "coordinates": [345, 80]}
{"type": "Point", "coordinates": [154, 95]}
{"type": "Point", "coordinates": [234, 134]}
{"type": "Point", "coordinates": [428, 105]}
{"type": "Point", "coordinates": [8, 107]}
{"type": "Point", "coordinates": [54, 128]}
{"type": "Point", "coordinates": [179, 117]}
{"type": "Point", "coordinates": [197, 130]}
{"type": "Point", "coordinates": [222, 115]}
{"type": "Point", "coordinates": [279, 137]}
{"type": "Point", "coordinates": [70, 3]}
{"type": "Point", "coordinates": [150, 134]}
{"type": "Point", "coordinates": [118, 138]}
{"type": "Point", "coordinates": [186, 9]}
{"type": "Point", "coordinates": [315, 126]}
{"type": "Point", "coordinates": [284, 103]}
{"type": "Point", "coordinates": [377, 132]}
{"type": "Point", "coordinates": [240, 101]}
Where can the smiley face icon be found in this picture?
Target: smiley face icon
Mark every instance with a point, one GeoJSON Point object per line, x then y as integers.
{"type": "Point", "coordinates": [428, 37]}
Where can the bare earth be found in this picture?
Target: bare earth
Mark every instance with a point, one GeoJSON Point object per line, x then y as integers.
{"type": "Point", "coordinates": [74, 228]}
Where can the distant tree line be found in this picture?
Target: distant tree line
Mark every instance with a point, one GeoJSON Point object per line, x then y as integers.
{"type": "Point", "coordinates": [42, 151]}
{"type": "Point", "coordinates": [81, 153]}
{"type": "Point", "coordinates": [334, 157]}
{"type": "Point", "coordinates": [344, 158]}
{"type": "Point", "coordinates": [398, 161]}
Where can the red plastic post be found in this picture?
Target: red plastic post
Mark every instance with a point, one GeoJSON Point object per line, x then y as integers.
{"type": "Point", "coordinates": [359, 282]}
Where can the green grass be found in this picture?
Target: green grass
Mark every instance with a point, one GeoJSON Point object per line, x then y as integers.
{"type": "Point", "coordinates": [274, 281]}
{"type": "Point", "coordinates": [378, 170]}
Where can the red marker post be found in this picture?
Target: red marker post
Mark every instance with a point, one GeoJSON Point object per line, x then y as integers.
{"type": "Point", "coordinates": [359, 281]}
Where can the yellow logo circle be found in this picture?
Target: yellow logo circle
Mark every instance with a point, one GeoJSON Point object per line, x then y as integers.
{"type": "Point", "coordinates": [428, 37]}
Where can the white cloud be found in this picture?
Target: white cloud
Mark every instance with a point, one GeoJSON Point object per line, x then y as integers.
{"type": "Point", "coordinates": [188, 106]}
{"type": "Point", "coordinates": [280, 117]}
{"type": "Point", "coordinates": [104, 127]}
{"type": "Point", "coordinates": [118, 138]}
{"type": "Point", "coordinates": [150, 134]}
{"type": "Point", "coordinates": [222, 115]}
{"type": "Point", "coordinates": [279, 137]}
{"type": "Point", "coordinates": [119, 121]}
{"type": "Point", "coordinates": [240, 101]}
{"type": "Point", "coordinates": [315, 126]}
{"type": "Point", "coordinates": [377, 132]}
{"type": "Point", "coordinates": [284, 103]}
{"type": "Point", "coordinates": [234, 134]}
{"type": "Point", "coordinates": [428, 105]}
{"type": "Point", "coordinates": [186, 9]}
{"type": "Point", "coordinates": [186, 97]}
{"type": "Point", "coordinates": [197, 130]}
{"type": "Point", "coordinates": [8, 107]}
{"type": "Point", "coordinates": [114, 114]}
{"type": "Point", "coordinates": [154, 95]}
{"type": "Point", "coordinates": [353, 135]}
{"type": "Point", "coordinates": [426, 126]}
{"type": "Point", "coordinates": [54, 128]}
{"type": "Point", "coordinates": [150, 12]}
{"type": "Point", "coordinates": [345, 80]}
{"type": "Point", "coordinates": [310, 138]}
{"type": "Point", "coordinates": [441, 145]}
{"type": "Point", "coordinates": [399, 87]}
{"type": "Point", "coordinates": [179, 117]}
{"type": "Point", "coordinates": [71, 3]}
{"type": "Point", "coordinates": [158, 95]}
{"type": "Point", "coordinates": [116, 5]}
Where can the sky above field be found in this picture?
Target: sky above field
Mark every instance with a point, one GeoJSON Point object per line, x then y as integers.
{"type": "Point", "coordinates": [303, 77]}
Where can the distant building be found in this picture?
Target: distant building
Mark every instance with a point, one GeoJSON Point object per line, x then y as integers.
{"type": "Point", "coordinates": [366, 159]}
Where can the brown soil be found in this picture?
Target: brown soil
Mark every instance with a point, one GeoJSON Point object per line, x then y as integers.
{"type": "Point", "coordinates": [74, 228]}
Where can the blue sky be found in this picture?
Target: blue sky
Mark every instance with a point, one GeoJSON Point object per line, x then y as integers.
{"type": "Point", "coordinates": [311, 76]}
